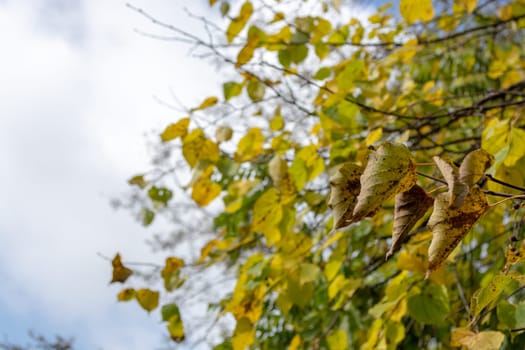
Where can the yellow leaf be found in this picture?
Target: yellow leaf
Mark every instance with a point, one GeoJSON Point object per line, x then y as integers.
{"type": "Point", "coordinates": [345, 186]}
{"type": "Point", "coordinates": [374, 136]}
{"type": "Point", "coordinates": [208, 102]}
{"type": "Point", "coordinates": [306, 166]}
{"type": "Point", "coordinates": [212, 2]}
{"type": "Point", "coordinates": [337, 340]}
{"type": "Point", "coordinates": [238, 23]}
{"type": "Point", "coordinates": [457, 190]}
{"type": "Point", "coordinates": [204, 191]}
{"type": "Point", "coordinates": [206, 250]}
{"type": "Point", "coordinates": [250, 145]}
{"type": "Point", "coordinates": [139, 181]}
{"type": "Point", "coordinates": [410, 206]}
{"type": "Point", "coordinates": [332, 268]}
{"type": "Point", "coordinates": [120, 272]}
{"type": "Point", "coordinates": [267, 214]}
{"type": "Point", "coordinates": [415, 10]}
{"type": "Point", "coordinates": [450, 225]}
{"type": "Point", "coordinates": [390, 170]}
{"type": "Point", "coordinates": [126, 294]}
{"type": "Point", "coordinates": [469, 5]}
{"type": "Point", "coordinates": [171, 272]}
{"type": "Point", "coordinates": [474, 165]}
{"type": "Point", "coordinates": [148, 299]}
{"type": "Point", "coordinates": [223, 133]}
{"type": "Point", "coordinates": [243, 335]}
{"type": "Point", "coordinates": [486, 340]}
{"type": "Point", "coordinates": [173, 131]}
{"type": "Point", "coordinates": [196, 147]}
{"type": "Point", "coordinates": [295, 343]}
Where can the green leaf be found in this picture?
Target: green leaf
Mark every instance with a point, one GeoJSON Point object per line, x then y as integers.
{"type": "Point", "coordinates": [147, 216]}
{"type": "Point", "coordinates": [488, 294]}
{"type": "Point", "coordinates": [231, 89]}
{"type": "Point", "coordinates": [168, 311]}
{"type": "Point", "coordinates": [322, 73]}
{"type": "Point", "coordinates": [160, 195]}
{"type": "Point", "coordinates": [225, 8]}
{"type": "Point", "coordinates": [256, 90]}
{"type": "Point", "coordinates": [431, 306]}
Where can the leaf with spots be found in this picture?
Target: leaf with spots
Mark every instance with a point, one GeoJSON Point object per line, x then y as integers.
{"type": "Point", "coordinates": [120, 272]}
{"type": "Point", "coordinates": [457, 190]}
{"type": "Point", "coordinates": [390, 170]}
{"type": "Point", "coordinates": [345, 187]}
{"type": "Point", "coordinates": [410, 206]}
{"type": "Point", "coordinates": [449, 225]}
{"type": "Point", "coordinates": [474, 165]}
{"type": "Point", "coordinates": [486, 340]}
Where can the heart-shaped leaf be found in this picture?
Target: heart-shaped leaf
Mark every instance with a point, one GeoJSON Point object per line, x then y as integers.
{"type": "Point", "coordinates": [390, 170]}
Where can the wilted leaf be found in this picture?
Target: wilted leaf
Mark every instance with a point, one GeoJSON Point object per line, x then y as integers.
{"type": "Point", "coordinates": [457, 190]}
{"type": "Point", "coordinates": [474, 165]}
{"type": "Point", "coordinates": [148, 299]}
{"type": "Point", "coordinates": [345, 187]}
{"type": "Point", "coordinates": [178, 129]}
{"type": "Point", "coordinates": [449, 225]}
{"type": "Point", "coordinates": [390, 170]}
{"type": "Point", "coordinates": [486, 340]}
{"type": "Point", "coordinates": [120, 272]}
{"type": "Point", "coordinates": [410, 206]}
{"type": "Point", "coordinates": [139, 181]}
{"type": "Point", "coordinates": [415, 10]}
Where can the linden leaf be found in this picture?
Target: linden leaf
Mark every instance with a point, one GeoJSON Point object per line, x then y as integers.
{"type": "Point", "coordinates": [205, 191]}
{"type": "Point", "coordinates": [243, 335]}
{"type": "Point", "coordinates": [171, 273]}
{"type": "Point", "coordinates": [148, 299]}
{"type": "Point", "coordinates": [223, 133]}
{"type": "Point", "coordinates": [486, 340]}
{"type": "Point", "coordinates": [488, 294]}
{"type": "Point", "coordinates": [120, 272]}
{"type": "Point", "coordinates": [208, 102]}
{"type": "Point", "coordinates": [250, 145]}
{"type": "Point", "coordinates": [337, 340]}
{"type": "Point", "coordinates": [256, 90]}
{"type": "Point", "coordinates": [196, 147]}
{"type": "Point", "coordinates": [414, 10]}
{"type": "Point", "coordinates": [171, 314]}
{"type": "Point", "coordinates": [457, 190]}
{"type": "Point", "coordinates": [138, 180]}
{"type": "Point", "coordinates": [474, 165]}
{"type": "Point", "coordinates": [126, 294]}
{"type": "Point", "coordinates": [267, 214]}
{"type": "Point", "coordinates": [390, 170]}
{"type": "Point", "coordinates": [450, 225]}
{"type": "Point", "coordinates": [238, 23]}
{"type": "Point", "coordinates": [231, 89]}
{"type": "Point", "coordinates": [178, 129]}
{"type": "Point", "coordinates": [345, 187]}
{"type": "Point", "coordinates": [410, 206]}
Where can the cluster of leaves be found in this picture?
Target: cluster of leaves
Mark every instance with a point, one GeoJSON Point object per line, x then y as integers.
{"type": "Point", "coordinates": [315, 164]}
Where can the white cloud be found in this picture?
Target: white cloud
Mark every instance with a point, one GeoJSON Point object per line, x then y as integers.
{"type": "Point", "coordinates": [76, 99]}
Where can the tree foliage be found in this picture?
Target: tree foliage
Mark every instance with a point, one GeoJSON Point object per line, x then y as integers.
{"type": "Point", "coordinates": [339, 140]}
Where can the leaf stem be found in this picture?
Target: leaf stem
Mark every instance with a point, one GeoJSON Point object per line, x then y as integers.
{"type": "Point", "coordinates": [519, 196]}
{"type": "Point", "coordinates": [431, 177]}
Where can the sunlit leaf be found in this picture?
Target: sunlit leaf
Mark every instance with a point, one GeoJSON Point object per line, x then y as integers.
{"type": "Point", "coordinates": [172, 131]}
{"type": "Point", "coordinates": [486, 340]}
{"type": "Point", "coordinates": [415, 10]}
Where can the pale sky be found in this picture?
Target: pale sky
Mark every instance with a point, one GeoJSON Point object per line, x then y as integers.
{"type": "Point", "coordinates": [76, 87]}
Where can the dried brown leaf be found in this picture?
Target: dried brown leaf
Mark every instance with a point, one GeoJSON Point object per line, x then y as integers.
{"type": "Point", "coordinates": [410, 206]}
{"type": "Point", "coordinates": [345, 186]}
{"type": "Point", "coordinates": [450, 225]}
{"type": "Point", "coordinates": [474, 165]}
{"type": "Point", "coordinates": [390, 170]}
{"type": "Point", "coordinates": [457, 190]}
